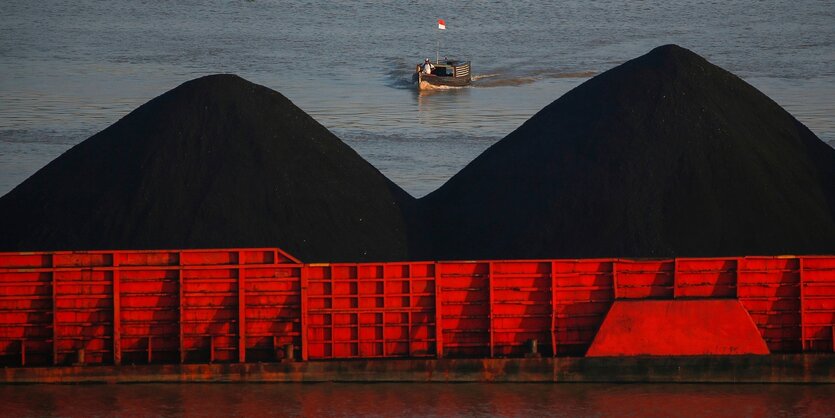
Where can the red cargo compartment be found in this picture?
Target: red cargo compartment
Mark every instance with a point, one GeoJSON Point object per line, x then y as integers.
{"type": "Point", "coordinates": [246, 304]}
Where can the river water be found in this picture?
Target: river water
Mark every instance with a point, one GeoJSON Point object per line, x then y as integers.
{"type": "Point", "coordinates": [69, 69]}
{"type": "Point", "coordinates": [418, 400]}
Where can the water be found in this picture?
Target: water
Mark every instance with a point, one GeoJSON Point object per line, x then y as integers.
{"type": "Point", "coordinates": [418, 400]}
{"type": "Point", "coordinates": [69, 69]}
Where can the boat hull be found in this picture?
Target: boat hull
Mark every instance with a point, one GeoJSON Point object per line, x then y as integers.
{"type": "Point", "coordinates": [429, 81]}
{"type": "Point", "coordinates": [444, 75]}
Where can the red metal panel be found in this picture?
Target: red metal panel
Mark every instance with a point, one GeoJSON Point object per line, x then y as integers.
{"type": "Point", "coordinates": [465, 308]}
{"type": "Point", "coordinates": [54, 306]}
{"type": "Point", "coordinates": [705, 278]}
{"type": "Point", "coordinates": [439, 297]}
{"type": "Point", "coordinates": [273, 311]}
{"type": "Point", "coordinates": [191, 285]}
{"type": "Point", "coordinates": [584, 292]}
{"type": "Point", "coordinates": [319, 299]}
{"type": "Point", "coordinates": [553, 293]}
{"type": "Point", "coordinates": [149, 311]}
{"type": "Point", "coordinates": [209, 312]}
{"type": "Point", "coordinates": [677, 328]}
{"type": "Point", "coordinates": [818, 302]}
{"type": "Point", "coordinates": [522, 308]}
{"type": "Point", "coordinates": [409, 310]}
{"type": "Point", "coordinates": [26, 309]}
{"type": "Point", "coordinates": [117, 312]}
{"type": "Point", "coordinates": [803, 321]}
{"type": "Point", "coordinates": [242, 346]}
{"type": "Point", "coordinates": [370, 310]}
{"type": "Point", "coordinates": [25, 261]}
{"type": "Point", "coordinates": [83, 310]}
{"type": "Point", "coordinates": [769, 288]}
{"type": "Point", "coordinates": [305, 317]}
{"type": "Point", "coordinates": [491, 308]}
{"type": "Point", "coordinates": [181, 345]}
{"type": "Point", "coordinates": [645, 279]}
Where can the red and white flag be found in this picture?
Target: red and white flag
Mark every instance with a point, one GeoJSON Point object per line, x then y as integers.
{"type": "Point", "coordinates": [441, 24]}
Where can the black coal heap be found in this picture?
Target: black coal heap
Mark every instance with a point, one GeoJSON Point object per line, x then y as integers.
{"type": "Point", "coordinates": [215, 162]}
{"type": "Point", "coordinates": [665, 155]}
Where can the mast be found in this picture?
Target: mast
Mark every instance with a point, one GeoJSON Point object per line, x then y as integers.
{"type": "Point", "coordinates": [441, 27]}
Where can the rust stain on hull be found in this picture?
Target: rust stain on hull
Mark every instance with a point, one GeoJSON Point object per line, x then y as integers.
{"type": "Point", "coordinates": [787, 368]}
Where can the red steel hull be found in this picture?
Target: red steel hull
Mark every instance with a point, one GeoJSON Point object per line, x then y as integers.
{"type": "Point", "coordinates": [775, 368]}
{"type": "Point", "coordinates": [248, 305]}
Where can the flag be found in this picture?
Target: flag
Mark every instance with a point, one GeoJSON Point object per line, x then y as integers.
{"type": "Point", "coordinates": [441, 24]}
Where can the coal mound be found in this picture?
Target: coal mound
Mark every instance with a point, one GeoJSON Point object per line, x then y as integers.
{"type": "Point", "coordinates": [217, 162]}
{"type": "Point", "coordinates": [665, 155]}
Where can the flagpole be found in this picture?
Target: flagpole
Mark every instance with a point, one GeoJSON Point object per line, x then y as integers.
{"type": "Point", "coordinates": [438, 46]}
{"type": "Point", "coordinates": [441, 27]}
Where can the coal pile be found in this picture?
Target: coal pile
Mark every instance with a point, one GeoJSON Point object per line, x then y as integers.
{"type": "Point", "coordinates": [665, 155]}
{"type": "Point", "coordinates": [215, 162]}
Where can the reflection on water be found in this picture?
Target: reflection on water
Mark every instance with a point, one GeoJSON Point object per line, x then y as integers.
{"type": "Point", "coordinates": [440, 108]}
{"type": "Point", "coordinates": [400, 400]}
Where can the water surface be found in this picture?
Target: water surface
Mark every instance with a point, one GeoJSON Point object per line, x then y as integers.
{"type": "Point", "coordinates": [418, 400]}
{"type": "Point", "coordinates": [69, 69]}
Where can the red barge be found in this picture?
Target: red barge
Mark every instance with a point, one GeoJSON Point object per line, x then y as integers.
{"type": "Point", "coordinates": [262, 315]}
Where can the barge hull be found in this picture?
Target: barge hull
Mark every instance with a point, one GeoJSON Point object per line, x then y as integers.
{"type": "Point", "coordinates": [253, 306]}
{"type": "Point", "coordinates": [786, 368]}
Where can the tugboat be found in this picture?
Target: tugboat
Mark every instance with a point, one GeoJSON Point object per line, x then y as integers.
{"type": "Point", "coordinates": [449, 73]}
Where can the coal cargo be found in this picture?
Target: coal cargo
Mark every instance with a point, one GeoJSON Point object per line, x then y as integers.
{"type": "Point", "coordinates": [216, 162]}
{"type": "Point", "coordinates": [665, 155]}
